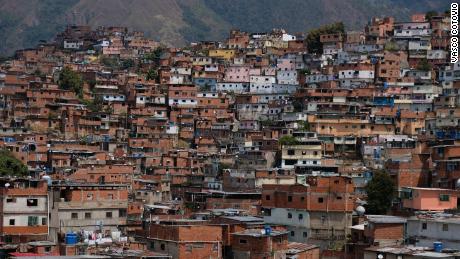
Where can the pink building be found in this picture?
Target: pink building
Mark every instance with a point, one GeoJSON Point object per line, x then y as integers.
{"type": "Point", "coordinates": [255, 71]}
{"type": "Point", "coordinates": [237, 74]}
{"type": "Point", "coordinates": [285, 64]}
{"type": "Point", "coordinates": [434, 199]}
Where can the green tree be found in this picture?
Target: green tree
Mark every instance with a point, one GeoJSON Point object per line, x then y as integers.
{"type": "Point", "coordinates": [152, 74]}
{"type": "Point", "coordinates": [380, 192]}
{"type": "Point", "coordinates": [430, 15]}
{"type": "Point", "coordinates": [71, 80]}
{"type": "Point", "coordinates": [108, 109]}
{"type": "Point", "coordinates": [154, 55]}
{"type": "Point", "coordinates": [304, 125]}
{"type": "Point", "coordinates": [92, 83]}
{"type": "Point", "coordinates": [391, 46]}
{"type": "Point", "coordinates": [305, 71]}
{"type": "Point", "coordinates": [110, 62]}
{"type": "Point", "coordinates": [298, 105]}
{"type": "Point", "coordinates": [127, 63]}
{"type": "Point", "coordinates": [94, 105]}
{"type": "Point", "coordinates": [313, 37]}
{"type": "Point", "coordinates": [10, 166]}
{"type": "Point", "coordinates": [424, 65]}
{"type": "Point", "coordinates": [38, 73]}
{"type": "Point", "coordinates": [288, 140]}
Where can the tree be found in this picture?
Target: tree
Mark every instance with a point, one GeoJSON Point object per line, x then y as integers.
{"type": "Point", "coordinates": [94, 105]}
{"type": "Point", "coordinates": [304, 125]}
{"type": "Point", "coordinates": [127, 63]}
{"type": "Point", "coordinates": [71, 80]}
{"type": "Point", "coordinates": [305, 71]}
{"type": "Point", "coordinates": [38, 73]}
{"type": "Point", "coordinates": [298, 105]}
{"type": "Point", "coordinates": [424, 65]}
{"type": "Point", "coordinates": [380, 192]}
{"type": "Point", "coordinates": [152, 74]}
{"type": "Point", "coordinates": [313, 38]}
{"type": "Point", "coordinates": [110, 62]}
{"type": "Point", "coordinates": [10, 166]}
{"type": "Point", "coordinates": [391, 46]}
{"type": "Point", "coordinates": [288, 140]}
{"type": "Point", "coordinates": [108, 109]}
{"type": "Point", "coordinates": [154, 55]}
{"type": "Point", "coordinates": [430, 15]}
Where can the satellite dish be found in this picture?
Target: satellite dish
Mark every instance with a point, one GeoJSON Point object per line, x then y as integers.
{"type": "Point", "coordinates": [360, 210]}
{"type": "Point", "coordinates": [7, 185]}
{"type": "Point", "coordinates": [457, 184]}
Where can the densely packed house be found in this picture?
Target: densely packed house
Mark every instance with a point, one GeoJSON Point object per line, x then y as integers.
{"type": "Point", "coordinates": [252, 147]}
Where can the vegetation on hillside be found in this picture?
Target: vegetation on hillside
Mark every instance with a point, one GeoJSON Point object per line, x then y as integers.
{"type": "Point", "coordinates": [288, 140]}
{"type": "Point", "coordinates": [424, 65]}
{"type": "Point", "coordinates": [71, 80]}
{"type": "Point", "coordinates": [94, 105]}
{"type": "Point", "coordinates": [10, 166]}
{"type": "Point", "coordinates": [313, 37]}
{"type": "Point", "coordinates": [430, 15]}
{"type": "Point", "coordinates": [177, 22]}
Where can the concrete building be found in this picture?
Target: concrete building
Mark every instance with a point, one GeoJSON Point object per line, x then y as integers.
{"type": "Point", "coordinates": [24, 211]}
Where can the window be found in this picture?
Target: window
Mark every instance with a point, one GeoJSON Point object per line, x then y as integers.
{"type": "Point", "coordinates": [32, 202]}
{"type": "Point", "coordinates": [267, 197]}
{"type": "Point", "coordinates": [289, 215]}
{"type": "Point", "coordinates": [162, 246]}
{"type": "Point", "coordinates": [10, 200]}
{"type": "Point", "coordinates": [320, 200]}
{"type": "Point", "coordinates": [12, 222]}
{"type": "Point", "coordinates": [424, 226]}
{"type": "Point", "coordinates": [300, 216]}
{"type": "Point", "coordinates": [445, 227]}
{"type": "Point", "coordinates": [44, 221]}
{"type": "Point", "coordinates": [8, 239]}
{"type": "Point", "coordinates": [108, 214]}
{"type": "Point", "coordinates": [89, 196]}
{"type": "Point", "coordinates": [74, 215]}
{"type": "Point", "coordinates": [292, 233]}
{"type": "Point", "coordinates": [305, 234]}
{"type": "Point", "coordinates": [87, 215]}
{"type": "Point", "coordinates": [444, 197]}
{"type": "Point", "coordinates": [32, 221]}
{"type": "Point", "coordinates": [243, 241]}
{"type": "Point", "coordinates": [302, 198]}
{"type": "Point", "coordinates": [267, 212]}
{"type": "Point", "coordinates": [122, 213]}
{"type": "Point", "coordinates": [289, 198]}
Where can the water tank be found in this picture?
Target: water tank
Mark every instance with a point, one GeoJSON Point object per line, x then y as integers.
{"type": "Point", "coordinates": [268, 230]}
{"type": "Point", "coordinates": [47, 178]}
{"type": "Point", "coordinates": [437, 246]}
{"type": "Point", "coordinates": [71, 238]}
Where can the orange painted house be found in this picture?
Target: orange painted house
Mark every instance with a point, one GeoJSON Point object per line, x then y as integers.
{"type": "Point", "coordinates": [436, 199]}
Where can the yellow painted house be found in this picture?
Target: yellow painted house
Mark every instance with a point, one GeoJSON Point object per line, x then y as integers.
{"type": "Point", "coordinates": [222, 53]}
